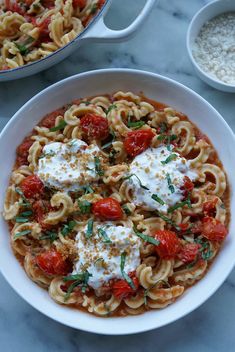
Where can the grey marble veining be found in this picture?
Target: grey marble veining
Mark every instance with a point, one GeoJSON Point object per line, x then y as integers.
{"type": "Point", "coordinates": [158, 47]}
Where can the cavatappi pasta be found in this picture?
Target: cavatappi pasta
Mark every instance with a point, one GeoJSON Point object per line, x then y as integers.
{"type": "Point", "coordinates": [33, 29]}
{"type": "Point", "coordinates": [116, 204]}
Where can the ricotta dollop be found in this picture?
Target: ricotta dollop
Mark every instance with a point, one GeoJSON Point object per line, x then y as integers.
{"type": "Point", "coordinates": [103, 260]}
{"type": "Point", "coordinates": [151, 170]}
{"type": "Point", "coordinates": [67, 166]}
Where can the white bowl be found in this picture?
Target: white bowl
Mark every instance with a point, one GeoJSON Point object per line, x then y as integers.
{"type": "Point", "coordinates": [94, 83]}
{"type": "Point", "coordinates": [96, 31]}
{"type": "Point", "coordinates": [209, 11]}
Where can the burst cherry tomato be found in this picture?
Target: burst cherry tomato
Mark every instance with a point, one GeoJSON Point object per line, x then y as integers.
{"type": "Point", "coordinates": [52, 263]}
{"type": "Point", "coordinates": [138, 141]}
{"type": "Point", "coordinates": [213, 229]}
{"type": "Point", "coordinates": [121, 289]}
{"type": "Point", "coordinates": [23, 151]}
{"type": "Point", "coordinates": [79, 3]}
{"type": "Point", "coordinates": [49, 120]}
{"type": "Point", "coordinates": [209, 207]}
{"type": "Point", "coordinates": [188, 253]}
{"type": "Point", "coordinates": [32, 186]}
{"type": "Point", "coordinates": [188, 185]}
{"type": "Point", "coordinates": [108, 209]}
{"type": "Point", "coordinates": [100, 3]}
{"type": "Point", "coordinates": [169, 244]}
{"type": "Point", "coordinates": [95, 126]}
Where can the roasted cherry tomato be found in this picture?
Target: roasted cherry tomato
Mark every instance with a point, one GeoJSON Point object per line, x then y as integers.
{"type": "Point", "coordinates": [49, 120]}
{"type": "Point", "coordinates": [188, 253]}
{"type": "Point", "coordinates": [100, 3]}
{"type": "Point", "coordinates": [169, 244]}
{"type": "Point", "coordinates": [188, 185]}
{"type": "Point", "coordinates": [79, 3]}
{"type": "Point", "coordinates": [183, 227]}
{"type": "Point", "coordinates": [94, 126]}
{"type": "Point", "coordinates": [209, 207]}
{"type": "Point", "coordinates": [23, 151]}
{"type": "Point", "coordinates": [52, 263]}
{"type": "Point", "coordinates": [14, 7]}
{"type": "Point", "coordinates": [121, 289]}
{"type": "Point", "coordinates": [108, 209]}
{"type": "Point", "coordinates": [213, 229]}
{"type": "Point", "coordinates": [138, 141]}
{"type": "Point", "coordinates": [32, 186]}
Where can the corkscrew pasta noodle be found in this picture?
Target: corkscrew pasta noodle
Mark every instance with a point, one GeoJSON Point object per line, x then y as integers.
{"type": "Point", "coordinates": [111, 260]}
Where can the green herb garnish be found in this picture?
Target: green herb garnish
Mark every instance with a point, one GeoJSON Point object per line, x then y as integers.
{"type": "Point", "coordinates": [98, 168]}
{"type": "Point", "coordinates": [59, 127]}
{"type": "Point", "coordinates": [108, 144]}
{"type": "Point", "coordinates": [20, 219]}
{"type": "Point", "coordinates": [21, 233]}
{"type": "Point", "coordinates": [169, 158]}
{"type": "Point", "coordinates": [146, 238]}
{"type": "Point", "coordinates": [206, 252]}
{"type": "Point", "coordinates": [49, 235]}
{"type": "Point", "coordinates": [87, 189]}
{"type": "Point", "coordinates": [68, 227]}
{"type": "Point", "coordinates": [168, 221]}
{"type": "Point", "coordinates": [150, 288]}
{"type": "Point", "coordinates": [124, 274]}
{"type": "Point", "coordinates": [94, 8]}
{"type": "Point", "coordinates": [22, 48]}
{"type": "Point", "coordinates": [86, 103]}
{"type": "Point", "coordinates": [111, 107]}
{"type": "Point", "coordinates": [79, 279]}
{"type": "Point", "coordinates": [133, 175]}
{"type": "Point", "coordinates": [89, 230]}
{"type": "Point", "coordinates": [26, 213]}
{"type": "Point", "coordinates": [170, 185]}
{"type": "Point", "coordinates": [180, 205]}
{"type": "Point", "coordinates": [136, 124]}
{"type": "Point", "coordinates": [126, 209]}
{"type": "Point", "coordinates": [84, 206]}
{"type": "Point", "coordinates": [25, 202]}
{"type": "Point", "coordinates": [102, 233]}
{"type": "Point", "coordinates": [157, 199]}
{"type": "Point", "coordinates": [112, 156]}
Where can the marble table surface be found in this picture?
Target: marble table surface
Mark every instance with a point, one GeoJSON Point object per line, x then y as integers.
{"type": "Point", "coordinates": [159, 47]}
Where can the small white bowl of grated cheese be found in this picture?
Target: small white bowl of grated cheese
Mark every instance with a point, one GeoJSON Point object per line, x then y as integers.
{"type": "Point", "coordinates": [211, 44]}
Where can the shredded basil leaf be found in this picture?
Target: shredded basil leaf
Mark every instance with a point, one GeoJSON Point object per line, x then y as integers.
{"type": "Point", "coordinates": [157, 199]}
{"type": "Point", "coordinates": [84, 206]}
{"type": "Point", "coordinates": [133, 175]}
{"type": "Point", "coordinates": [85, 102]}
{"type": "Point", "coordinates": [102, 233]}
{"type": "Point", "coordinates": [124, 274]}
{"type": "Point", "coordinates": [49, 235]}
{"type": "Point", "coordinates": [80, 279]}
{"type": "Point", "coordinates": [112, 156]}
{"type": "Point", "coordinates": [108, 144]}
{"type": "Point", "coordinates": [111, 107]}
{"type": "Point", "coordinates": [68, 227]}
{"type": "Point", "coordinates": [87, 189]}
{"type": "Point", "coordinates": [26, 213]}
{"type": "Point", "coordinates": [98, 168]}
{"type": "Point", "coordinates": [21, 233]}
{"type": "Point", "coordinates": [206, 252]}
{"type": "Point", "coordinates": [163, 127]}
{"type": "Point", "coordinates": [169, 158]}
{"type": "Point", "coordinates": [22, 48]}
{"type": "Point", "coordinates": [135, 125]}
{"type": "Point", "coordinates": [126, 209]}
{"type": "Point", "coordinates": [89, 230]}
{"type": "Point", "coordinates": [169, 221]}
{"type": "Point", "coordinates": [150, 288]}
{"type": "Point", "coordinates": [60, 126]}
{"type": "Point", "coordinates": [146, 238]}
{"type": "Point", "coordinates": [180, 205]}
{"type": "Point", "coordinates": [25, 202]}
{"type": "Point", "coordinates": [170, 185]}
{"type": "Point", "coordinates": [19, 219]}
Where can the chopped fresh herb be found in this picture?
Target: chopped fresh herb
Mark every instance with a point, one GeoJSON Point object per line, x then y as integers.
{"type": "Point", "coordinates": [26, 213]}
{"type": "Point", "coordinates": [180, 205]}
{"type": "Point", "coordinates": [110, 108]}
{"type": "Point", "coordinates": [98, 168]}
{"type": "Point", "coordinates": [25, 202]}
{"type": "Point", "coordinates": [22, 48]}
{"type": "Point", "coordinates": [84, 206]}
{"type": "Point", "coordinates": [163, 127]}
{"type": "Point", "coordinates": [21, 233]}
{"type": "Point", "coordinates": [49, 235]}
{"type": "Point", "coordinates": [112, 156]}
{"type": "Point", "coordinates": [89, 230]}
{"type": "Point", "coordinates": [87, 189]}
{"type": "Point", "coordinates": [169, 182]}
{"type": "Point", "coordinates": [169, 158]}
{"type": "Point", "coordinates": [124, 274]}
{"type": "Point", "coordinates": [222, 206]}
{"type": "Point", "coordinates": [68, 227]}
{"type": "Point", "coordinates": [80, 279]}
{"type": "Point", "coordinates": [21, 219]}
{"type": "Point", "coordinates": [206, 252]}
{"type": "Point", "coordinates": [154, 285]}
{"type": "Point", "coordinates": [94, 8]}
{"type": "Point", "coordinates": [169, 221]}
{"type": "Point", "coordinates": [126, 209]}
{"type": "Point", "coordinates": [146, 238]}
{"type": "Point", "coordinates": [108, 144]}
{"type": "Point", "coordinates": [133, 175]}
{"type": "Point", "coordinates": [161, 137]}
{"type": "Point", "coordinates": [136, 124]}
{"type": "Point", "coordinates": [157, 199]}
{"type": "Point", "coordinates": [59, 127]}
{"type": "Point", "coordinates": [102, 233]}
{"type": "Point", "coordinates": [85, 102]}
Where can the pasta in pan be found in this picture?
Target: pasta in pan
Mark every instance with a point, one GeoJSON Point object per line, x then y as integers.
{"type": "Point", "coordinates": [33, 29]}
{"type": "Point", "coordinates": [116, 204]}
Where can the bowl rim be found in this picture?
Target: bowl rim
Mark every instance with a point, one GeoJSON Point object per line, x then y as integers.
{"type": "Point", "coordinates": [209, 78]}
{"type": "Point", "coordinates": [201, 299]}
{"type": "Point", "coordinates": [54, 53]}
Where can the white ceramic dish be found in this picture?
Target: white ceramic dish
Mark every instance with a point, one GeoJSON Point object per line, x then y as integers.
{"type": "Point", "coordinates": [96, 31]}
{"type": "Point", "coordinates": [93, 83]}
{"type": "Point", "coordinates": [209, 11]}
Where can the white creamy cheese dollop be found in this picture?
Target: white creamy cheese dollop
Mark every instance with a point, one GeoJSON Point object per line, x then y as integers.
{"type": "Point", "coordinates": [103, 260]}
{"type": "Point", "coordinates": [148, 170]}
{"type": "Point", "coordinates": [67, 166]}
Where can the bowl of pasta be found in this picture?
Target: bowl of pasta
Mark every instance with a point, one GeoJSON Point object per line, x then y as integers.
{"type": "Point", "coordinates": [117, 201]}
{"type": "Point", "coordinates": [36, 34]}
